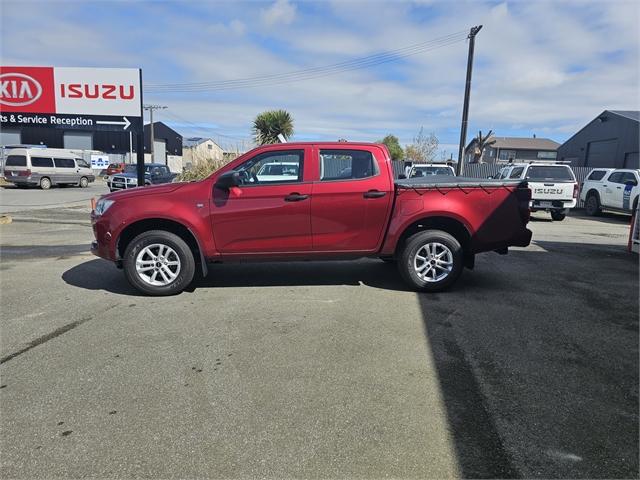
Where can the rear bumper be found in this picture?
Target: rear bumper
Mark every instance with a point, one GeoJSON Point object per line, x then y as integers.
{"type": "Point", "coordinates": [552, 204]}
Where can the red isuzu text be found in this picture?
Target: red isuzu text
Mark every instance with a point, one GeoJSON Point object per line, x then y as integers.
{"type": "Point", "coordinates": [311, 201]}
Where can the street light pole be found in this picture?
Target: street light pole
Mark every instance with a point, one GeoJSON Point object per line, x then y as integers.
{"type": "Point", "coordinates": [467, 92]}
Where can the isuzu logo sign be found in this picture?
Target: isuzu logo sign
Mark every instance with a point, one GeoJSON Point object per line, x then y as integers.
{"type": "Point", "coordinates": [18, 89]}
{"type": "Point", "coordinates": [113, 92]}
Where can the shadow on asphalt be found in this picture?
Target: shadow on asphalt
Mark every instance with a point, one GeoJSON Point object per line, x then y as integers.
{"type": "Point", "coordinates": [537, 361]}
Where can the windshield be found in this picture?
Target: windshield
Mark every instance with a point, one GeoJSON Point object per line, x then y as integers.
{"type": "Point", "coordinates": [424, 171]}
{"type": "Point", "coordinates": [133, 168]}
{"type": "Point", "coordinates": [550, 172]}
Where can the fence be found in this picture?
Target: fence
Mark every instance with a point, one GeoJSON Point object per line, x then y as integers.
{"type": "Point", "coordinates": [486, 170]}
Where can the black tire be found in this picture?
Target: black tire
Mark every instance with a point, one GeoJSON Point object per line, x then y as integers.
{"type": "Point", "coordinates": [592, 205]}
{"type": "Point", "coordinates": [187, 265]}
{"type": "Point", "coordinates": [45, 183]}
{"type": "Point", "coordinates": [557, 216]}
{"type": "Point", "coordinates": [634, 206]}
{"type": "Point", "coordinates": [407, 261]}
{"type": "Point", "coordinates": [84, 182]}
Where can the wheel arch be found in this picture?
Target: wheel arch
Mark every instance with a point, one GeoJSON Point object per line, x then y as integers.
{"type": "Point", "coordinates": [450, 225]}
{"type": "Point", "coordinates": [134, 229]}
{"type": "Point", "coordinates": [592, 191]}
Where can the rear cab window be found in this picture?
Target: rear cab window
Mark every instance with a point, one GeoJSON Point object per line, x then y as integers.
{"type": "Point", "coordinates": [550, 172]}
{"type": "Point", "coordinates": [16, 161]}
{"type": "Point", "coordinates": [347, 164]}
{"type": "Point", "coordinates": [516, 172]}
{"type": "Point", "coordinates": [597, 175]}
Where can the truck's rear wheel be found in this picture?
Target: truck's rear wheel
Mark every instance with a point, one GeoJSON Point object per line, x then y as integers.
{"type": "Point", "coordinates": [557, 215]}
{"type": "Point", "coordinates": [159, 263]}
{"type": "Point", "coordinates": [431, 260]}
{"type": "Point", "coordinates": [592, 205]}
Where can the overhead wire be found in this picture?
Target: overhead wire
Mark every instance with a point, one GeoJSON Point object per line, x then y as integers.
{"type": "Point", "coordinates": [309, 73]}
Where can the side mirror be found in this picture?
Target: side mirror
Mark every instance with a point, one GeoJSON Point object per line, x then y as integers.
{"type": "Point", "coordinates": [402, 176]}
{"type": "Point", "coordinates": [228, 180]}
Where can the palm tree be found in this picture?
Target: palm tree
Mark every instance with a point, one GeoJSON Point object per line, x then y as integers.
{"type": "Point", "coordinates": [268, 125]}
{"type": "Point", "coordinates": [482, 142]}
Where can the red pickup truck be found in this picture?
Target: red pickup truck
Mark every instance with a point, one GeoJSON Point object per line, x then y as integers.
{"type": "Point", "coordinates": [311, 201]}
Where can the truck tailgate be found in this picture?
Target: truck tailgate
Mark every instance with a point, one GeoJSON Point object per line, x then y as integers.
{"type": "Point", "coordinates": [551, 190]}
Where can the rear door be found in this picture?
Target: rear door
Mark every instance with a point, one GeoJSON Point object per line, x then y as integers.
{"type": "Point", "coordinates": [15, 166]}
{"type": "Point", "coordinates": [264, 216]}
{"type": "Point", "coordinates": [612, 190]}
{"type": "Point", "coordinates": [350, 200]}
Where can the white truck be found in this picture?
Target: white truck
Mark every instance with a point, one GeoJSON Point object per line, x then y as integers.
{"type": "Point", "coordinates": [426, 169]}
{"type": "Point", "coordinates": [611, 189]}
{"type": "Point", "coordinates": [554, 188]}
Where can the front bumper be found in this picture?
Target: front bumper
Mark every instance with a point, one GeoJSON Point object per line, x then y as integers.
{"type": "Point", "coordinates": [104, 245]}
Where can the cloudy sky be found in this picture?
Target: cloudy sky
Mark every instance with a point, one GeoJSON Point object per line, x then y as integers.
{"type": "Point", "coordinates": [543, 68]}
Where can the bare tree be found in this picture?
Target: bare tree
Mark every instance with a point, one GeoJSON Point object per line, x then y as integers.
{"type": "Point", "coordinates": [424, 148]}
{"type": "Point", "coordinates": [482, 142]}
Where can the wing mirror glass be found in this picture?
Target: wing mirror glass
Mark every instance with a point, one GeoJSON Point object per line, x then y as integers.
{"type": "Point", "coordinates": [228, 180]}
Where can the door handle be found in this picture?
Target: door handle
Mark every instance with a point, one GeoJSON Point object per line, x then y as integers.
{"type": "Point", "coordinates": [618, 188]}
{"type": "Point", "coordinates": [295, 197]}
{"type": "Point", "coordinates": [374, 194]}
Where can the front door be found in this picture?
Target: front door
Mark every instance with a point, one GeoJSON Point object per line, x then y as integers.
{"type": "Point", "coordinates": [350, 201]}
{"type": "Point", "coordinates": [270, 211]}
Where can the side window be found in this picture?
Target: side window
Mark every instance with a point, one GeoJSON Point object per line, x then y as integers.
{"type": "Point", "coordinates": [597, 175]}
{"type": "Point", "coordinates": [503, 173]}
{"type": "Point", "coordinates": [615, 177]}
{"type": "Point", "coordinates": [16, 161]}
{"type": "Point", "coordinates": [64, 162]}
{"type": "Point", "coordinates": [347, 164]}
{"type": "Point", "coordinates": [81, 163]}
{"type": "Point", "coordinates": [41, 162]}
{"type": "Point", "coordinates": [284, 166]}
{"type": "Point", "coordinates": [516, 172]}
{"type": "Point", "coordinates": [629, 177]}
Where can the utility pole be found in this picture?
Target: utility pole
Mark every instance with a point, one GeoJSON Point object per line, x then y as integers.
{"type": "Point", "coordinates": [467, 91]}
{"type": "Point", "coordinates": [151, 108]}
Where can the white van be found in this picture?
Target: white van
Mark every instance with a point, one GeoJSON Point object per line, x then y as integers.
{"type": "Point", "coordinates": [45, 167]}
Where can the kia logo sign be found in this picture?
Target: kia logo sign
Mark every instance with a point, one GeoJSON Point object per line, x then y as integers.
{"type": "Point", "coordinates": [18, 89]}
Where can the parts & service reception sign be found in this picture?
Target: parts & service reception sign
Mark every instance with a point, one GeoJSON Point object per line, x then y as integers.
{"type": "Point", "coordinates": [71, 98]}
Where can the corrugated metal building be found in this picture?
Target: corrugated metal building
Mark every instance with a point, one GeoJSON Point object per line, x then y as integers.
{"type": "Point", "coordinates": [610, 140]}
{"type": "Point", "coordinates": [514, 149]}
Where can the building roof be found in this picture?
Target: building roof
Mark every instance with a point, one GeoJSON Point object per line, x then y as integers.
{"type": "Point", "coordinates": [521, 143]}
{"type": "Point", "coordinates": [630, 114]}
{"type": "Point", "coordinates": [195, 141]}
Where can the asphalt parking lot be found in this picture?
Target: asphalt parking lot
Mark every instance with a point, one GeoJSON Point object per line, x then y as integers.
{"type": "Point", "coordinates": [527, 368]}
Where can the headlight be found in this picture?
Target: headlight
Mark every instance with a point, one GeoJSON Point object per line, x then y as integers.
{"type": "Point", "coordinates": [102, 206]}
{"type": "Point", "coordinates": [132, 180]}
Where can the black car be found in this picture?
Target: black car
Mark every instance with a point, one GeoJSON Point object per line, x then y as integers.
{"type": "Point", "coordinates": [154, 173]}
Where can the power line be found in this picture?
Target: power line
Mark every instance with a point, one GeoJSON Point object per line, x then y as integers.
{"type": "Point", "coordinates": [210, 131]}
{"type": "Point", "coordinates": [310, 73]}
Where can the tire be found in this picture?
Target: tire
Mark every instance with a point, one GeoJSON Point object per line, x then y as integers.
{"type": "Point", "coordinates": [84, 182]}
{"type": "Point", "coordinates": [557, 216]}
{"type": "Point", "coordinates": [431, 278]}
{"type": "Point", "coordinates": [170, 248]}
{"type": "Point", "coordinates": [592, 206]}
{"type": "Point", "coordinates": [45, 183]}
{"type": "Point", "coordinates": [634, 206]}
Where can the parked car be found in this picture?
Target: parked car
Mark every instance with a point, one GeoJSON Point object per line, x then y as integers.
{"type": "Point", "coordinates": [45, 167]}
{"type": "Point", "coordinates": [154, 173]}
{"type": "Point", "coordinates": [611, 189]}
{"type": "Point", "coordinates": [114, 168]}
{"type": "Point", "coordinates": [554, 188]}
{"type": "Point", "coordinates": [426, 169]}
{"type": "Point", "coordinates": [432, 228]}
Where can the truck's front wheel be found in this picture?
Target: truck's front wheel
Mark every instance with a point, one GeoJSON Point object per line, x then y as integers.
{"type": "Point", "coordinates": [431, 261]}
{"type": "Point", "coordinates": [159, 263]}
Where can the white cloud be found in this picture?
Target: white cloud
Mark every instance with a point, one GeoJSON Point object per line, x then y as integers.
{"type": "Point", "coordinates": [281, 12]}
